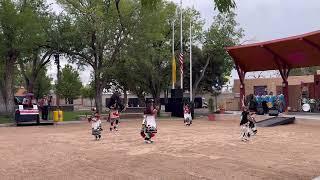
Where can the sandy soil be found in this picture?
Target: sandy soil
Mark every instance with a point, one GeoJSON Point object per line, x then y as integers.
{"type": "Point", "coordinates": [206, 150]}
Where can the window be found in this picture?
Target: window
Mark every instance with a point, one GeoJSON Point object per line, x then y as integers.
{"type": "Point", "coordinates": [259, 90]}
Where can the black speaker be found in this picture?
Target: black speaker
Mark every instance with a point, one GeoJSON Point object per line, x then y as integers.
{"type": "Point", "coordinates": [176, 93]}
{"type": "Point", "coordinates": [176, 107]}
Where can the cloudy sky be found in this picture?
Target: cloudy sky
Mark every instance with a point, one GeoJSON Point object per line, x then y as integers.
{"type": "Point", "coordinates": [262, 20]}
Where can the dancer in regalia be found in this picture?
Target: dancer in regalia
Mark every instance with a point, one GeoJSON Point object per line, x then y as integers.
{"type": "Point", "coordinates": [115, 107]}
{"type": "Point", "coordinates": [149, 126]}
{"type": "Point", "coordinates": [187, 115]}
{"type": "Point", "coordinates": [247, 125]}
{"type": "Point", "coordinates": [95, 125]}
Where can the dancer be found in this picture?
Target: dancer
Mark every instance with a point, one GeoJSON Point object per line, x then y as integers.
{"type": "Point", "coordinates": [247, 125]}
{"type": "Point", "coordinates": [149, 126]}
{"type": "Point", "coordinates": [115, 107]}
{"type": "Point", "coordinates": [187, 115]}
{"type": "Point", "coordinates": [95, 125]}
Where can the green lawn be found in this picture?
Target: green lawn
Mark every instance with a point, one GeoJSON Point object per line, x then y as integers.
{"type": "Point", "coordinates": [67, 116]}
{"type": "Point", "coordinates": [5, 119]}
{"type": "Point", "coordinates": [72, 115]}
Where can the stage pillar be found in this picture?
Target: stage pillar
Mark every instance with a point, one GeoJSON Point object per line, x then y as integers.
{"type": "Point", "coordinates": [285, 90]}
{"type": "Point", "coordinates": [241, 74]}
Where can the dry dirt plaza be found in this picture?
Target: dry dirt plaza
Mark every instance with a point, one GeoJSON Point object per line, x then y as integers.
{"type": "Point", "coordinates": [206, 150]}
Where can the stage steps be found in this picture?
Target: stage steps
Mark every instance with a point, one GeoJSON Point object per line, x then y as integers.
{"type": "Point", "coordinates": [275, 121]}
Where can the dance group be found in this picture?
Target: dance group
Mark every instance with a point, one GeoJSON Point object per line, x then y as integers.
{"type": "Point", "coordinates": [149, 126]}
{"type": "Point", "coordinates": [266, 102]}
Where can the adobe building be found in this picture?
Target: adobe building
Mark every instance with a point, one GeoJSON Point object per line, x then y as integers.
{"type": "Point", "coordinates": [298, 86]}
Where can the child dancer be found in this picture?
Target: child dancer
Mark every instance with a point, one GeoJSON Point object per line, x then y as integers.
{"type": "Point", "coordinates": [247, 125]}
{"type": "Point", "coordinates": [149, 126]}
{"type": "Point", "coordinates": [114, 116]}
{"type": "Point", "coordinates": [187, 115]}
{"type": "Point", "coordinates": [96, 125]}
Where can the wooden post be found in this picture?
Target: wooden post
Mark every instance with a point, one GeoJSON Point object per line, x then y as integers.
{"type": "Point", "coordinates": [241, 74]}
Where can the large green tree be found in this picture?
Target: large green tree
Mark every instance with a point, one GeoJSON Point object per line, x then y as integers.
{"type": "Point", "coordinates": [148, 58]}
{"type": "Point", "coordinates": [32, 62]}
{"type": "Point", "coordinates": [20, 29]}
{"type": "Point", "coordinates": [69, 86]}
{"type": "Point", "coordinates": [95, 32]}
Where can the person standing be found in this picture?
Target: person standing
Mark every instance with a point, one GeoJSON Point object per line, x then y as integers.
{"type": "Point", "coordinates": [149, 126]}
{"type": "Point", "coordinates": [44, 103]}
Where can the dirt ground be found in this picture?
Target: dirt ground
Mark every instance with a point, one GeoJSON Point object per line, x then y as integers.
{"type": "Point", "coordinates": [206, 150]}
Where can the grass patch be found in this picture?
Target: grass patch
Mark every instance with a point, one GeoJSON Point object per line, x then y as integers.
{"type": "Point", "coordinates": [71, 115]}
{"type": "Point", "coordinates": [5, 119]}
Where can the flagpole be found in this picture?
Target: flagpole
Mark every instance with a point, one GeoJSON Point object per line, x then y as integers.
{"type": "Point", "coordinates": [191, 60]}
{"type": "Point", "coordinates": [173, 52]}
{"type": "Point", "coordinates": [181, 47]}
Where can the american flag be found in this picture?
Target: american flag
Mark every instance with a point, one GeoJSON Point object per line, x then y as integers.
{"type": "Point", "coordinates": [181, 62]}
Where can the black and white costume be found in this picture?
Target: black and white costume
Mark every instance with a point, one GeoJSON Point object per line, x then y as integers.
{"type": "Point", "coordinates": [96, 126]}
{"type": "Point", "coordinates": [247, 124]}
{"type": "Point", "coordinates": [149, 126]}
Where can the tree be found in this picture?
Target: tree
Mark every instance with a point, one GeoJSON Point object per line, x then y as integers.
{"type": "Point", "coordinates": [304, 71]}
{"type": "Point", "coordinates": [88, 92]}
{"type": "Point", "coordinates": [32, 62]}
{"type": "Point", "coordinates": [42, 85]}
{"type": "Point", "coordinates": [69, 85]}
{"type": "Point", "coordinates": [94, 34]}
{"type": "Point", "coordinates": [148, 58]}
{"type": "Point", "coordinates": [20, 26]}
{"type": "Point", "coordinates": [222, 5]}
{"type": "Point", "coordinates": [212, 64]}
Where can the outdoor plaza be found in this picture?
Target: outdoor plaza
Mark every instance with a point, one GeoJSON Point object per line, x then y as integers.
{"type": "Point", "coordinates": [131, 118]}
{"type": "Point", "coordinates": [205, 150]}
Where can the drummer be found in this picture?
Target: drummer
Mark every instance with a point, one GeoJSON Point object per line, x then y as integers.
{"type": "Point", "coordinates": [282, 102]}
{"type": "Point", "coordinates": [259, 99]}
{"type": "Point", "coordinates": [271, 99]}
{"type": "Point", "coordinates": [264, 100]}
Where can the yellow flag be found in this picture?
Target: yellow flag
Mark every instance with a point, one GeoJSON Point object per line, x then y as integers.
{"type": "Point", "coordinates": [174, 70]}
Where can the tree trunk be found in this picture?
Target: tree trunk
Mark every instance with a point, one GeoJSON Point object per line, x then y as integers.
{"type": "Point", "coordinates": [3, 109]}
{"type": "Point", "coordinates": [30, 85]}
{"type": "Point", "coordinates": [98, 94]}
{"type": "Point", "coordinates": [156, 97]}
{"type": "Point", "coordinates": [196, 84]}
{"type": "Point", "coordinates": [7, 91]}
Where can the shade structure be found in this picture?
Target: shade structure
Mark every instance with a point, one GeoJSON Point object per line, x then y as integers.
{"type": "Point", "coordinates": [281, 54]}
{"type": "Point", "coordinates": [294, 52]}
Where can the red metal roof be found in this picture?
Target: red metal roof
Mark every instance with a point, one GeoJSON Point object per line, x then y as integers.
{"type": "Point", "coordinates": [296, 52]}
